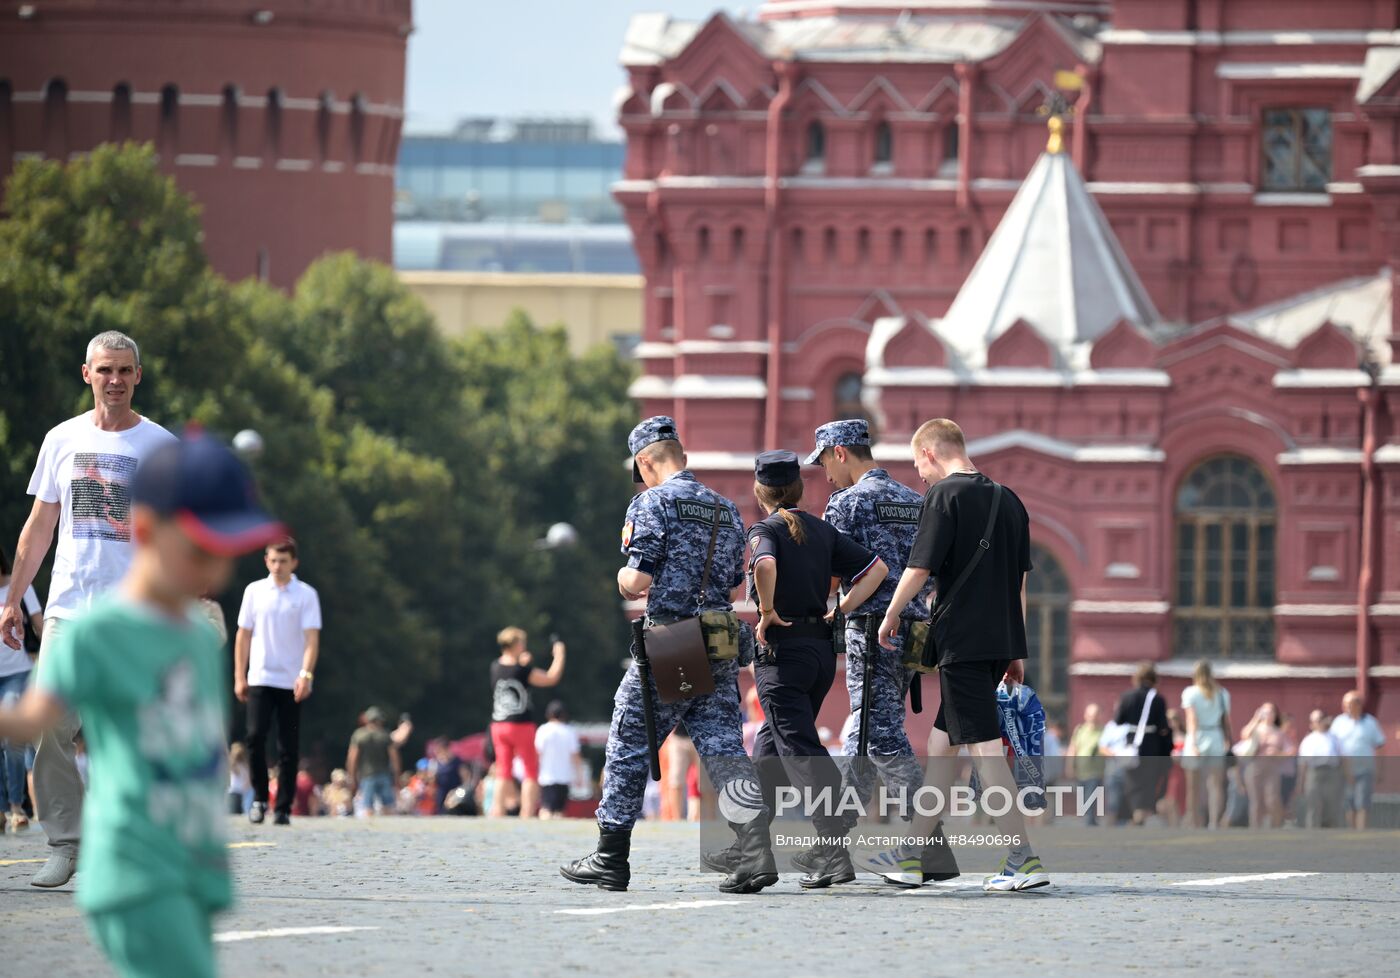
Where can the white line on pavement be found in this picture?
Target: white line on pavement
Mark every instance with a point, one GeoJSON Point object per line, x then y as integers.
{"type": "Point", "coordinates": [252, 935]}
{"type": "Point", "coordinates": [1223, 880]}
{"type": "Point", "coordinates": [688, 905]}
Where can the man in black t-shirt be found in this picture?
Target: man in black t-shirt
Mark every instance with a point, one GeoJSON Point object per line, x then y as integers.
{"type": "Point", "coordinates": [981, 632]}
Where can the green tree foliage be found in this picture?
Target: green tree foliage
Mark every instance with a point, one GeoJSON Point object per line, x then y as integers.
{"type": "Point", "coordinates": [417, 473]}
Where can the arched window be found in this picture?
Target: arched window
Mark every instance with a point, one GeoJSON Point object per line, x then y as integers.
{"type": "Point", "coordinates": [816, 146]}
{"type": "Point", "coordinates": [272, 121]}
{"type": "Point", "coordinates": [897, 245]}
{"type": "Point", "coordinates": [1225, 540]}
{"type": "Point", "coordinates": [798, 245]}
{"type": "Point", "coordinates": [167, 135]}
{"type": "Point", "coordinates": [229, 127]}
{"type": "Point", "coordinates": [846, 396]}
{"type": "Point", "coordinates": [829, 244]}
{"type": "Point", "coordinates": [323, 126]}
{"type": "Point", "coordinates": [1047, 628]}
{"type": "Point", "coordinates": [357, 127]}
{"type": "Point", "coordinates": [121, 113]}
{"type": "Point", "coordinates": [884, 146]}
{"type": "Point", "coordinates": [863, 245]}
{"type": "Point", "coordinates": [56, 119]}
{"type": "Point", "coordinates": [948, 165]}
{"type": "Point", "coordinates": [703, 242]}
{"type": "Point", "coordinates": [736, 243]}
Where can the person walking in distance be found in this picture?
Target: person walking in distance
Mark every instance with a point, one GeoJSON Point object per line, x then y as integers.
{"type": "Point", "coordinates": [81, 487]}
{"type": "Point", "coordinates": [373, 765]}
{"type": "Point", "coordinates": [15, 666]}
{"type": "Point", "coordinates": [512, 716]}
{"type": "Point", "coordinates": [980, 629]}
{"type": "Point", "coordinates": [274, 666]}
{"type": "Point", "coordinates": [561, 760]}
{"type": "Point", "coordinates": [1360, 736]}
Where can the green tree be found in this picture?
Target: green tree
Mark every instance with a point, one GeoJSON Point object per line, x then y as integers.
{"type": "Point", "coordinates": [417, 472]}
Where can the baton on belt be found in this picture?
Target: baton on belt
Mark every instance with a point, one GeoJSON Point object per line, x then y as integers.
{"type": "Point", "coordinates": [639, 653]}
{"type": "Point", "coordinates": [872, 642]}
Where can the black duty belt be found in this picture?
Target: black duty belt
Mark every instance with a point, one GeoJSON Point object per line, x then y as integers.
{"type": "Point", "coordinates": [800, 627]}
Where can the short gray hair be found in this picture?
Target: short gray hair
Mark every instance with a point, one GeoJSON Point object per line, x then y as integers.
{"type": "Point", "coordinates": [113, 340]}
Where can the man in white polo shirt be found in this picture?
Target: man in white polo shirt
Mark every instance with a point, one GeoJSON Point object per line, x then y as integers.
{"type": "Point", "coordinates": [81, 487]}
{"type": "Point", "coordinates": [274, 664]}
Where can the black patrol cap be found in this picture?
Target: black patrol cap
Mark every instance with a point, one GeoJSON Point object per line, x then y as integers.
{"type": "Point", "coordinates": [779, 468]}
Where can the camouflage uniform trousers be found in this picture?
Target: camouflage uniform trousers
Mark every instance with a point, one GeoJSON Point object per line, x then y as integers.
{"type": "Point", "coordinates": [716, 726]}
{"type": "Point", "coordinates": [889, 750]}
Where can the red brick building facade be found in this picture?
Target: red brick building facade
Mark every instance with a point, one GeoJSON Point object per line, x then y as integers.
{"type": "Point", "coordinates": [1174, 338]}
{"type": "Point", "coordinates": [281, 117]}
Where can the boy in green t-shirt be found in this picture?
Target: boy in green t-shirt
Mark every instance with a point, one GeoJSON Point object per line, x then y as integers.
{"type": "Point", "coordinates": [144, 670]}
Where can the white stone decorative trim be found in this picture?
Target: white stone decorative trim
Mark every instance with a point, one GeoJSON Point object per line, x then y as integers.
{"type": "Point", "coordinates": [1378, 170]}
{"type": "Point", "coordinates": [247, 162]}
{"type": "Point", "coordinates": [299, 166]}
{"type": "Point", "coordinates": [1384, 611]}
{"type": "Point", "coordinates": [196, 159]}
{"type": "Point", "coordinates": [651, 386]}
{"type": "Point", "coordinates": [1241, 38]}
{"type": "Point", "coordinates": [720, 461]}
{"type": "Point", "coordinates": [97, 98]}
{"type": "Point", "coordinates": [1289, 199]}
{"type": "Point", "coordinates": [1315, 610]}
{"type": "Point", "coordinates": [799, 394]}
{"type": "Point", "coordinates": [1221, 668]}
{"type": "Point", "coordinates": [1013, 377]}
{"type": "Point", "coordinates": [1321, 378]}
{"type": "Point", "coordinates": [709, 386]}
{"type": "Point", "coordinates": [654, 351]}
{"type": "Point", "coordinates": [1120, 607]}
{"type": "Point", "coordinates": [1321, 455]}
{"type": "Point", "coordinates": [1387, 455]}
{"type": "Point", "coordinates": [1384, 672]}
{"type": "Point", "coordinates": [332, 166]}
{"type": "Point", "coordinates": [1044, 444]}
{"type": "Point", "coordinates": [1274, 70]}
{"type": "Point", "coordinates": [1124, 572]}
{"type": "Point", "coordinates": [1324, 573]}
{"type": "Point", "coordinates": [200, 101]}
{"type": "Point", "coordinates": [721, 346]}
{"type": "Point", "coordinates": [1141, 187]}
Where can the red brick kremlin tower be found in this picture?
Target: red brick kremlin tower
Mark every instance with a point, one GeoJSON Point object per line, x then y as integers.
{"type": "Point", "coordinates": [281, 117]}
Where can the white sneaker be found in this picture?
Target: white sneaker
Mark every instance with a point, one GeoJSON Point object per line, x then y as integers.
{"type": "Point", "coordinates": [899, 866]}
{"type": "Point", "coordinates": [58, 870]}
{"type": "Point", "coordinates": [1030, 875]}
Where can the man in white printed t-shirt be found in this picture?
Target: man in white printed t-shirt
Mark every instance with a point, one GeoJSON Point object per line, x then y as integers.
{"type": "Point", "coordinates": [274, 665]}
{"type": "Point", "coordinates": [81, 487]}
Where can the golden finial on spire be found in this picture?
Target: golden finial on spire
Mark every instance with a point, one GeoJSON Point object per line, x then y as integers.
{"type": "Point", "coordinates": [1055, 109]}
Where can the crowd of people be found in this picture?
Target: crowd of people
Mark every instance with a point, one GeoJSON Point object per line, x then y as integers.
{"type": "Point", "coordinates": [1191, 766]}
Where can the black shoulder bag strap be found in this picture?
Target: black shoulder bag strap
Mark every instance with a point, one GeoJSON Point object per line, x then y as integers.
{"type": "Point", "coordinates": [709, 558]}
{"type": "Point", "coordinates": [983, 545]}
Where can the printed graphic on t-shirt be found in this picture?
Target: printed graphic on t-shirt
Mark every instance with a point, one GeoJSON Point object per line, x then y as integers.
{"type": "Point", "coordinates": [182, 741]}
{"type": "Point", "coordinates": [100, 496]}
{"type": "Point", "coordinates": [510, 700]}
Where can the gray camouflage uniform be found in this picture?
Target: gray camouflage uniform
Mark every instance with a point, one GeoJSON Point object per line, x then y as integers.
{"type": "Point", "coordinates": [666, 535]}
{"type": "Point", "coordinates": [882, 515]}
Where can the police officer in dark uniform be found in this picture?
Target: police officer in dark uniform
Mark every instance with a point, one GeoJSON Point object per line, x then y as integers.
{"type": "Point", "coordinates": [793, 558]}
{"type": "Point", "coordinates": [665, 537]}
{"type": "Point", "coordinates": [881, 515]}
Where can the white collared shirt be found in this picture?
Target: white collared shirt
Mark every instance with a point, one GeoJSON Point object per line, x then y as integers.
{"type": "Point", "coordinates": [278, 617]}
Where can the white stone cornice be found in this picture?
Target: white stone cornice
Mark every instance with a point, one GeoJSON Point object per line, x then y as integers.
{"type": "Point", "coordinates": [1221, 668]}
{"type": "Point", "coordinates": [1321, 455]}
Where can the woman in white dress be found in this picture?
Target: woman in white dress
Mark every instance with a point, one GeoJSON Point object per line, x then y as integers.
{"type": "Point", "coordinates": [1207, 707]}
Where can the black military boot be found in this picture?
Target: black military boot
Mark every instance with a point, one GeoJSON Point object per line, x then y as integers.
{"type": "Point", "coordinates": [830, 865]}
{"type": "Point", "coordinates": [807, 860]}
{"type": "Point", "coordinates": [721, 860]}
{"type": "Point", "coordinates": [607, 866]}
{"type": "Point", "coordinates": [936, 859]}
{"type": "Point", "coordinates": [755, 867]}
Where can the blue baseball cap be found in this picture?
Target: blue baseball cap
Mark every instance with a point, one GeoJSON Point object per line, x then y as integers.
{"type": "Point", "coordinates": [778, 468]}
{"type": "Point", "coordinates": [209, 492]}
{"type": "Point", "coordinates": [649, 432]}
{"type": "Point", "coordinates": [851, 432]}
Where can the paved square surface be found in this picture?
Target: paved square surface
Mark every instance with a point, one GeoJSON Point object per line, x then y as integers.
{"type": "Point", "coordinates": [457, 896]}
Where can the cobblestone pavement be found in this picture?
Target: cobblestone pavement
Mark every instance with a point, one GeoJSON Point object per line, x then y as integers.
{"type": "Point", "coordinates": [483, 897]}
